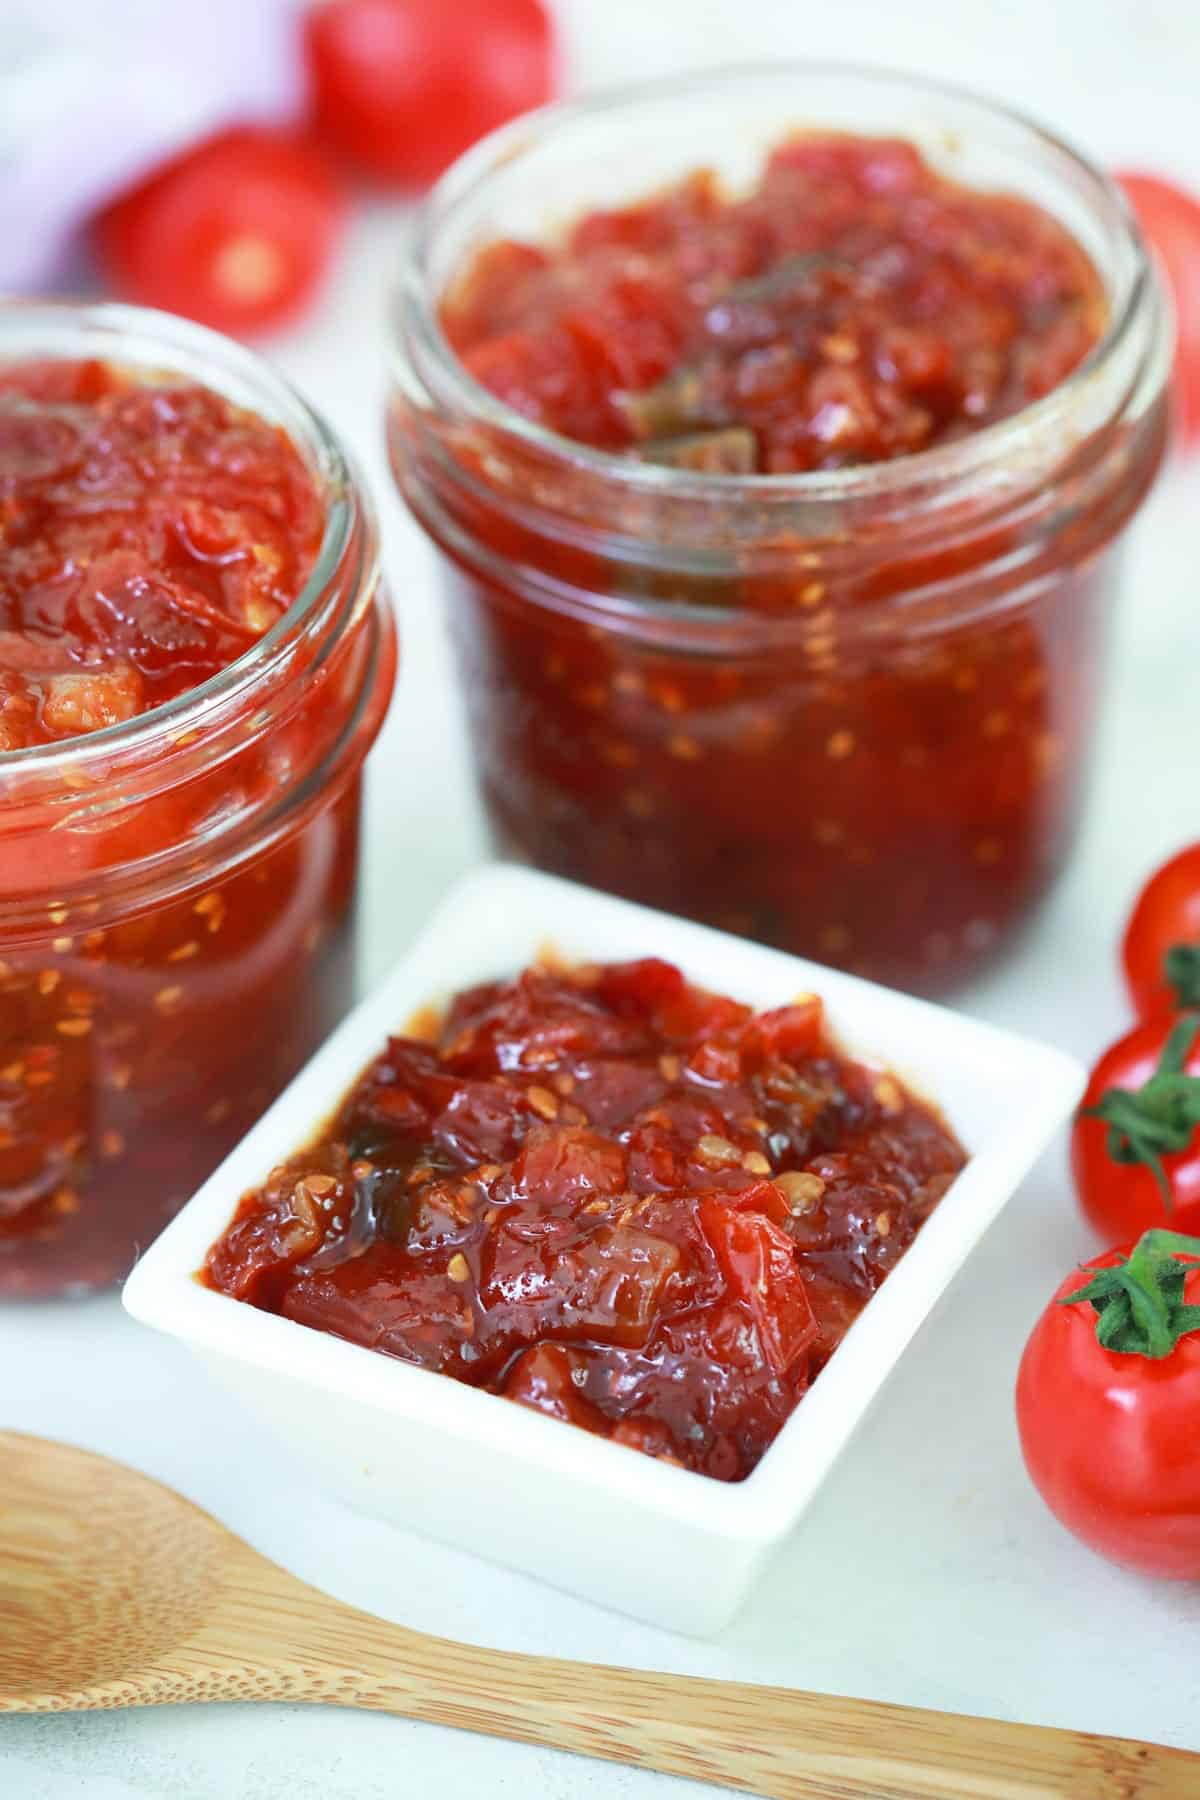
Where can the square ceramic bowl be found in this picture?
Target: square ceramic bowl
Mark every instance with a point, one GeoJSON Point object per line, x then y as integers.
{"type": "Point", "coordinates": [608, 1523]}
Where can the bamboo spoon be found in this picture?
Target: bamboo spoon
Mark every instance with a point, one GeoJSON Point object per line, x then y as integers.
{"type": "Point", "coordinates": [115, 1591]}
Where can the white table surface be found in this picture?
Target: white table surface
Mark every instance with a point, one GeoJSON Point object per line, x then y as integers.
{"type": "Point", "coordinates": [928, 1571]}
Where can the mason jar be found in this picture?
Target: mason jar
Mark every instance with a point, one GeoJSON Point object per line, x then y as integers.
{"type": "Point", "coordinates": [178, 892]}
{"type": "Point", "coordinates": [848, 712]}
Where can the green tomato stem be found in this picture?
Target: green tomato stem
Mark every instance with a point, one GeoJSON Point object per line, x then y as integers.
{"type": "Point", "coordinates": [1181, 967]}
{"type": "Point", "coordinates": [1138, 1300]}
{"type": "Point", "coordinates": [1159, 1118]}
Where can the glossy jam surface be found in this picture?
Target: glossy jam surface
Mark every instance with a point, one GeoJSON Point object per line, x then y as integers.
{"type": "Point", "coordinates": [150, 532]}
{"type": "Point", "coordinates": [149, 535]}
{"type": "Point", "coordinates": [854, 306]}
{"type": "Point", "coordinates": [607, 1195]}
{"type": "Point", "coordinates": [854, 730]}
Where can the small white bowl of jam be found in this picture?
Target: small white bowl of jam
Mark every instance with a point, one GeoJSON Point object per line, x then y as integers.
{"type": "Point", "coordinates": [587, 1239]}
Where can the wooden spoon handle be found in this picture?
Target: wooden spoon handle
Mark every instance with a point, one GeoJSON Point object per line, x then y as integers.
{"type": "Point", "coordinates": [779, 1743]}
{"type": "Point", "coordinates": [763, 1740]}
{"type": "Point", "coordinates": [786, 1745]}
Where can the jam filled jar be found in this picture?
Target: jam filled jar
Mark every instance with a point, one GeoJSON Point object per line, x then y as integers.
{"type": "Point", "coordinates": [195, 657]}
{"type": "Point", "coordinates": [778, 429]}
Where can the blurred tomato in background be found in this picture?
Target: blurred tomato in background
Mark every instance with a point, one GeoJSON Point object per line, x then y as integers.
{"type": "Point", "coordinates": [1170, 218]}
{"type": "Point", "coordinates": [403, 87]}
{"type": "Point", "coordinates": [237, 232]}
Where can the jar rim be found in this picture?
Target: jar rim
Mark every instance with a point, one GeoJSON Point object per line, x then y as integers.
{"type": "Point", "coordinates": [79, 328]}
{"type": "Point", "coordinates": [415, 309]}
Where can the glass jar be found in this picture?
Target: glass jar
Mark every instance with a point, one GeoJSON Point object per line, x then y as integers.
{"type": "Point", "coordinates": [848, 713]}
{"type": "Point", "coordinates": [177, 893]}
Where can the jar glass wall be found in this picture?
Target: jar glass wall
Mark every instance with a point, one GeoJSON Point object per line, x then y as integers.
{"type": "Point", "coordinates": [846, 712]}
{"type": "Point", "coordinates": [178, 892]}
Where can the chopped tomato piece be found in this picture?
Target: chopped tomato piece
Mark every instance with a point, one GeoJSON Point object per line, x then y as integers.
{"type": "Point", "coordinates": [544, 1380]}
{"type": "Point", "coordinates": [788, 1032]}
{"type": "Point", "coordinates": [642, 988]}
{"type": "Point", "coordinates": [565, 1166]}
{"type": "Point", "coordinates": [760, 1264]}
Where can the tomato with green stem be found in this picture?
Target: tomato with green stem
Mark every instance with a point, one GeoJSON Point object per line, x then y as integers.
{"type": "Point", "coordinates": [1135, 1142]}
{"type": "Point", "coordinates": [1108, 1404]}
{"type": "Point", "coordinates": [1161, 947]}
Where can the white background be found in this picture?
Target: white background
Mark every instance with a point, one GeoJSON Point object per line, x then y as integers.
{"type": "Point", "coordinates": [928, 1572]}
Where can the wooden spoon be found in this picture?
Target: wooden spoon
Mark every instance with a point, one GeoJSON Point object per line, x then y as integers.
{"type": "Point", "coordinates": [115, 1591]}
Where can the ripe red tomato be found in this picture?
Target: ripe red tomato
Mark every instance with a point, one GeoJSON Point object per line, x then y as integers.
{"type": "Point", "coordinates": [237, 232]}
{"type": "Point", "coordinates": [1161, 947]}
{"type": "Point", "coordinates": [1108, 1408]}
{"type": "Point", "coordinates": [402, 87]}
{"type": "Point", "coordinates": [1170, 219]}
{"type": "Point", "coordinates": [1135, 1146]}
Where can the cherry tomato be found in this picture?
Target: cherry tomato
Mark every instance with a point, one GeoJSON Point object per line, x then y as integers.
{"type": "Point", "coordinates": [1161, 947]}
{"type": "Point", "coordinates": [1108, 1404]}
{"type": "Point", "coordinates": [1135, 1146]}
{"type": "Point", "coordinates": [236, 233]}
{"type": "Point", "coordinates": [402, 87]}
{"type": "Point", "coordinates": [1170, 219]}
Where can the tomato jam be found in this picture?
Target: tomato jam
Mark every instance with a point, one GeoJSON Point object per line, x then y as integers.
{"type": "Point", "coordinates": [607, 1195]}
{"type": "Point", "coordinates": [152, 533]}
{"type": "Point", "coordinates": [854, 306]}
{"type": "Point", "coordinates": [776, 526]}
{"type": "Point", "coordinates": [176, 894]}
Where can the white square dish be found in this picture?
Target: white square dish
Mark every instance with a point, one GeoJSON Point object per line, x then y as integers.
{"type": "Point", "coordinates": [669, 1546]}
